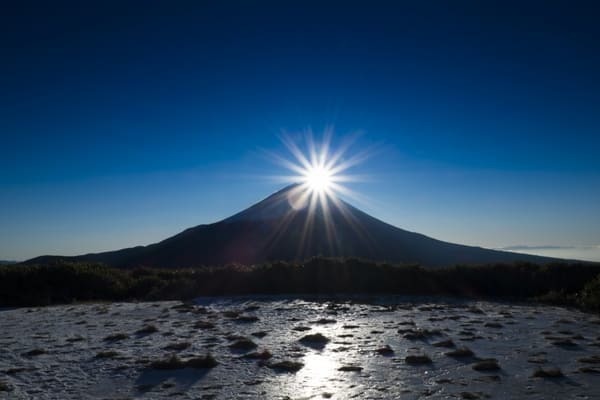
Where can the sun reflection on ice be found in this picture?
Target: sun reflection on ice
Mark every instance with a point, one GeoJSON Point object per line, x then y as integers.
{"type": "Point", "coordinates": [319, 370]}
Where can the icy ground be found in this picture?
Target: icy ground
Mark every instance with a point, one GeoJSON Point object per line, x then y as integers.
{"type": "Point", "coordinates": [107, 351]}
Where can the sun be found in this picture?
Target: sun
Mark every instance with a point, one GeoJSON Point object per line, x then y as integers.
{"type": "Point", "coordinates": [319, 178]}
{"type": "Point", "coordinates": [320, 169]}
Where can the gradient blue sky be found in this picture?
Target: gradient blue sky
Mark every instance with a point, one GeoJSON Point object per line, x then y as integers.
{"type": "Point", "coordinates": [125, 122]}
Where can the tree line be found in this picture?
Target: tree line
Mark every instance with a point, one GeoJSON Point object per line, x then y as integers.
{"type": "Point", "coordinates": [62, 282]}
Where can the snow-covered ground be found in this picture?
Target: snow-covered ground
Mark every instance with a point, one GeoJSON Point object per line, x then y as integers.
{"type": "Point", "coordinates": [106, 351]}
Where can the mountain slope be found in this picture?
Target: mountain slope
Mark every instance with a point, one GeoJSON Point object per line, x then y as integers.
{"type": "Point", "coordinates": [281, 228]}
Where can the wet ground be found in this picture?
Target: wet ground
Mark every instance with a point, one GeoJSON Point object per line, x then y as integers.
{"type": "Point", "coordinates": [280, 348]}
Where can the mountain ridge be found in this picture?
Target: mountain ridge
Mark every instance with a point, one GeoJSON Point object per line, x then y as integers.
{"type": "Point", "coordinates": [286, 226]}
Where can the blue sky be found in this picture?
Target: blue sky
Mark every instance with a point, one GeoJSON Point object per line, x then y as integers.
{"type": "Point", "coordinates": [123, 123]}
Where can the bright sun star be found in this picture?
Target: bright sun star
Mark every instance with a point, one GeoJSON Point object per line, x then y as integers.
{"type": "Point", "coordinates": [318, 178]}
{"type": "Point", "coordinates": [320, 170]}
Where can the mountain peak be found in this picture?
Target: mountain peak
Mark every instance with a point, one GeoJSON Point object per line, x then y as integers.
{"type": "Point", "coordinates": [296, 223]}
{"type": "Point", "coordinates": [288, 200]}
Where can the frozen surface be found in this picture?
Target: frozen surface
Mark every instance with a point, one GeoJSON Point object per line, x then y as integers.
{"type": "Point", "coordinates": [522, 338]}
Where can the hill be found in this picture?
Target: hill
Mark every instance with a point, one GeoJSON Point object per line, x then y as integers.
{"type": "Point", "coordinates": [277, 228]}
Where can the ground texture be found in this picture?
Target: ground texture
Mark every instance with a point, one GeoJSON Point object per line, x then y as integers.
{"type": "Point", "coordinates": [280, 348]}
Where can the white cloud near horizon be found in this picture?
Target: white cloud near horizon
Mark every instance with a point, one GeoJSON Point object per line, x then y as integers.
{"type": "Point", "coordinates": [574, 252]}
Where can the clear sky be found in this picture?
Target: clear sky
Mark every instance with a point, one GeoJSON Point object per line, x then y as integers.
{"type": "Point", "coordinates": [122, 123]}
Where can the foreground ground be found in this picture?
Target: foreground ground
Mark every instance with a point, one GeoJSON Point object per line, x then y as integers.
{"type": "Point", "coordinates": [278, 348]}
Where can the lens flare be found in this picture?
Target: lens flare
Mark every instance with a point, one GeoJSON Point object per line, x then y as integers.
{"type": "Point", "coordinates": [318, 179]}
{"type": "Point", "coordinates": [319, 173]}
{"type": "Point", "coordinates": [321, 170]}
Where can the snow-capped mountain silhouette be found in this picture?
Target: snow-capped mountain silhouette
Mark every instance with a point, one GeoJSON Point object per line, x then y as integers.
{"type": "Point", "coordinates": [284, 226]}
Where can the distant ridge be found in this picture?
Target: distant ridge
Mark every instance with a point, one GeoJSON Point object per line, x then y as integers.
{"type": "Point", "coordinates": [276, 228]}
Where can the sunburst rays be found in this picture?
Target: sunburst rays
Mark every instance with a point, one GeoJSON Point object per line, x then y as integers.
{"type": "Point", "coordinates": [321, 174]}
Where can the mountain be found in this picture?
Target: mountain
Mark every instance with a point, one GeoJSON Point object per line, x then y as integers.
{"type": "Point", "coordinates": [285, 226]}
